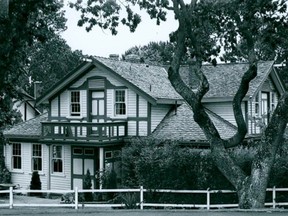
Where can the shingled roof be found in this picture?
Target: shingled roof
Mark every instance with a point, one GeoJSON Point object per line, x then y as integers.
{"type": "Point", "coordinates": [27, 129]}
{"type": "Point", "coordinates": [224, 79]}
{"type": "Point", "coordinates": [152, 80]}
{"type": "Point", "coordinates": [181, 126]}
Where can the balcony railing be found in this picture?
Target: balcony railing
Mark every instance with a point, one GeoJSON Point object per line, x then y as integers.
{"type": "Point", "coordinates": [84, 131]}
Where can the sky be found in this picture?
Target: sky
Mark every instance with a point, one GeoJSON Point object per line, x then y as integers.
{"type": "Point", "coordinates": [101, 43]}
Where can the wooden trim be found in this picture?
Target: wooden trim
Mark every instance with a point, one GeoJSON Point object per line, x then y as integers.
{"type": "Point", "coordinates": [137, 115]}
{"type": "Point", "coordinates": [66, 81]}
{"type": "Point", "coordinates": [25, 111]}
{"type": "Point", "coordinates": [59, 106]}
{"type": "Point", "coordinates": [149, 121]}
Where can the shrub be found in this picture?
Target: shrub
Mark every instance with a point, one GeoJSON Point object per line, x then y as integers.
{"type": "Point", "coordinates": [5, 175]}
{"type": "Point", "coordinates": [87, 184]}
{"type": "Point", "coordinates": [35, 183]}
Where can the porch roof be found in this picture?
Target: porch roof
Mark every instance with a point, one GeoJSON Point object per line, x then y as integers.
{"type": "Point", "coordinates": [180, 126]}
{"type": "Point", "coordinates": [28, 129]}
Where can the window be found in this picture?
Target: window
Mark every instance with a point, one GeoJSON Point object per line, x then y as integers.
{"type": "Point", "coordinates": [273, 101]}
{"type": "Point", "coordinates": [120, 102]}
{"type": "Point", "coordinates": [16, 156]}
{"type": "Point", "coordinates": [57, 160]}
{"type": "Point", "coordinates": [75, 103]}
{"type": "Point", "coordinates": [37, 157]}
{"type": "Point", "coordinates": [257, 104]}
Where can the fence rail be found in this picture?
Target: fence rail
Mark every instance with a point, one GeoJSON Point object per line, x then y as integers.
{"type": "Point", "coordinates": [141, 204]}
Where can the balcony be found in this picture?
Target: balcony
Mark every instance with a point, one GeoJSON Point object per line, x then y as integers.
{"type": "Point", "coordinates": [83, 132]}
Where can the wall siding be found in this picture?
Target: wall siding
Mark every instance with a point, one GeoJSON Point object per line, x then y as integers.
{"type": "Point", "coordinates": [131, 103]}
{"type": "Point", "coordinates": [143, 107]}
{"type": "Point", "coordinates": [63, 180]}
{"type": "Point", "coordinates": [109, 102]}
{"type": "Point", "coordinates": [225, 110]}
{"type": "Point", "coordinates": [157, 114]}
{"type": "Point", "coordinates": [64, 104]}
{"type": "Point", "coordinates": [23, 176]}
{"type": "Point", "coordinates": [54, 107]}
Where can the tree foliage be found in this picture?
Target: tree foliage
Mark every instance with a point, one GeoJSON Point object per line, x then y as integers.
{"type": "Point", "coordinates": [48, 62]}
{"type": "Point", "coordinates": [153, 53]}
{"type": "Point", "coordinates": [26, 23]}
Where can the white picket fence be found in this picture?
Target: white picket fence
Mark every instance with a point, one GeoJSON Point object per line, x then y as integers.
{"type": "Point", "coordinates": [76, 204]}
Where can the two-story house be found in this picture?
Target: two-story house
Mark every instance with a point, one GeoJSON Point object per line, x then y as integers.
{"type": "Point", "coordinates": [100, 105]}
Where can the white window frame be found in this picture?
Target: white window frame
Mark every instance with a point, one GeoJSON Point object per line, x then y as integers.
{"type": "Point", "coordinates": [37, 157]}
{"type": "Point", "coordinates": [55, 158]}
{"type": "Point", "coordinates": [75, 114]}
{"type": "Point", "coordinates": [16, 155]}
{"type": "Point", "coordinates": [125, 103]}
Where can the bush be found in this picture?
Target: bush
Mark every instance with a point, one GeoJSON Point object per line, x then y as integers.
{"type": "Point", "coordinates": [156, 165]}
{"type": "Point", "coordinates": [35, 183]}
{"type": "Point", "coordinates": [5, 175]}
{"type": "Point", "coordinates": [87, 184]}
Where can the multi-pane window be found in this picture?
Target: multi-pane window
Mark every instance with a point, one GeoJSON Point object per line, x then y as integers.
{"type": "Point", "coordinates": [16, 156]}
{"type": "Point", "coordinates": [57, 159]}
{"type": "Point", "coordinates": [37, 157]}
{"type": "Point", "coordinates": [75, 103]}
{"type": "Point", "coordinates": [120, 102]}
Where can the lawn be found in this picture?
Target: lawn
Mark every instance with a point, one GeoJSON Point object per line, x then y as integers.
{"type": "Point", "coordinates": [102, 212]}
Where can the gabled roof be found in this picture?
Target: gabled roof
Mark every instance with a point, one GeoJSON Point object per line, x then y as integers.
{"type": "Point", "coordinates": [180, 126]}
{"type": "Point", "coordinates": [149, 81]}
{"type": "Point", "coordinates": [153, 84]}
{"type": "Point", "coordinates": [29, 129]}
{"type": "Point", "coordinates": [224, 79]}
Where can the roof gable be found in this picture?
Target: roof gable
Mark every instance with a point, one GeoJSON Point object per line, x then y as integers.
{"type": "Point", "coordinates": [151, 82]}
{"type": "Point", "coordinates": [182, 127]}
{"type": "Point", "coordinates": [224, 79]}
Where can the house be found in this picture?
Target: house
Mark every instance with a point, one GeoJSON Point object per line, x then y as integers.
{"type": "Point", "coordinates": [99, 106]}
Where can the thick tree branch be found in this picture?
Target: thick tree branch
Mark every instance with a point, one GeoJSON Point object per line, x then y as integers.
{"type": "Point", "coordinates": [243, 88]}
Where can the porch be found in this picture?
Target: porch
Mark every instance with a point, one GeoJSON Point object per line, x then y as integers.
{"type": "Point", "coordinates": [86, 132]}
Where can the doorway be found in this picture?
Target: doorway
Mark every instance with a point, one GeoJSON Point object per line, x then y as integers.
{"type": "Point", "coordinates": [83, 159]}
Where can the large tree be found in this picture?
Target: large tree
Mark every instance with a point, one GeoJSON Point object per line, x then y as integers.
{"type": "Point", "coordinates": [48, 62]}
{"type": "Point", "coordinates": [247, 30]}
{"type": "Point", "coordinates": [22, 24]}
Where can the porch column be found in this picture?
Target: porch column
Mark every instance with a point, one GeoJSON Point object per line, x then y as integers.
{"type": "Point", "coordinates": [101, 165]}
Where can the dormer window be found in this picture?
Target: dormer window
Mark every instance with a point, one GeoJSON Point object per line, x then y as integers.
{"type": "Point", "coordinates": [75, 103]}
{"type": "Point", "coordinates": [120, 102]}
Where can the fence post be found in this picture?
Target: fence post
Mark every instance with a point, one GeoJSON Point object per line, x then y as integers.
{"type": "Point", "coordinates": [141, 197]}
{"type": "Point", "coordinates": [76, 198]}
{"type": "Point", "coordinates": [274, 197]}
{"type": "Point", "coordinates": [208, 199]}
{"type": "Point", "coordinates": [10, 197]}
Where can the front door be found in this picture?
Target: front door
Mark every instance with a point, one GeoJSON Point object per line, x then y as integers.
{"type": "Point", "coordinates": [83, 159]}
{"type": "Point", "coordinates": [97, 111]}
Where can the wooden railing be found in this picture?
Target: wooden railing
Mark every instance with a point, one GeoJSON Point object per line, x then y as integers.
{"type": "Point", "coordinates": [84, 131]}
{"type": "Point", "coordinates": [140, 201]}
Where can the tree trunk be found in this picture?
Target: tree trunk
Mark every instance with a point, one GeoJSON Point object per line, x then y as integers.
{"type": "Point", "coordinates": [253, 192]}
